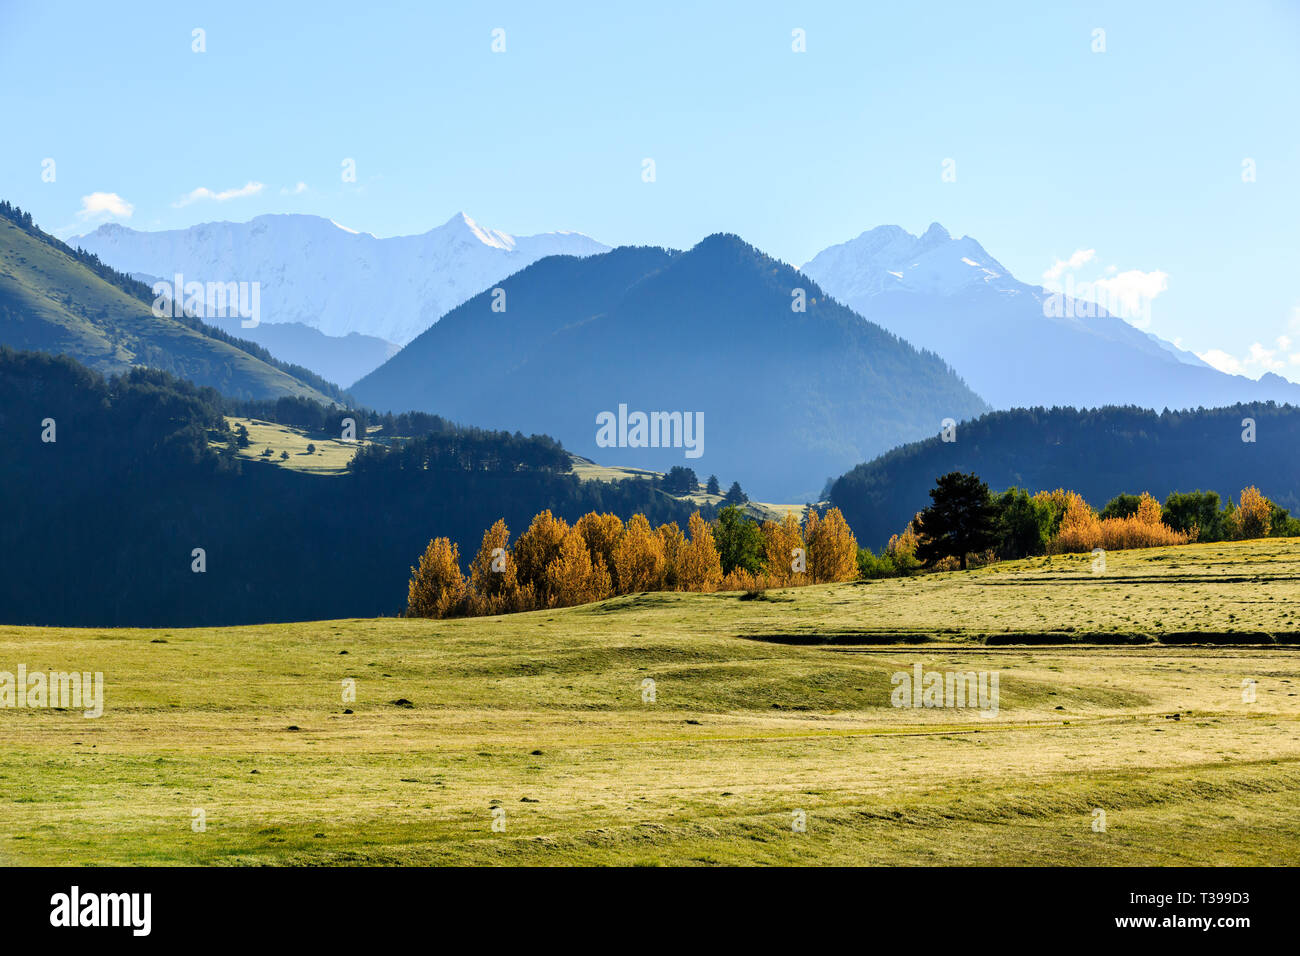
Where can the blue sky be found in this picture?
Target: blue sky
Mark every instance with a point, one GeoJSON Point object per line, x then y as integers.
{"type": "Point", "coordinates": [1135, 153]}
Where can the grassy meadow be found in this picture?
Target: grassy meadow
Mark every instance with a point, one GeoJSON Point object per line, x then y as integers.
{"type": "Point", "coordinates": [1120, 692]}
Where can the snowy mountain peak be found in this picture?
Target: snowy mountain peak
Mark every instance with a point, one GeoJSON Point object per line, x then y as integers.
{"type": "Point", "coordinates": [935, 235]}
{"type": "Point", "coordinates": [463, 227]}
{"type": "Point", "coordinates": [332, 277]}
{"type": "Point", "coordinates": [890, 258]}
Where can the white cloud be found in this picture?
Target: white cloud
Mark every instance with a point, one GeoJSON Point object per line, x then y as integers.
{"type": "Point", "coordinates": [1130, 293]}
{"type": "Point", "coordinates": [1256, 361]}
{"type": "Point", "coordinates": [103, 206]}
{"type": "Point", "coordinates": [203, 192]}
{"type": "Point", "coordinates": [1061, 266]}
{"type": "Point", "coordinates": [295, 191]}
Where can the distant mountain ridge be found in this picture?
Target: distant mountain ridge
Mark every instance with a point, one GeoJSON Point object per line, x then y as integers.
{"type": "Point", "coordinates": [1099, 453]}
{"type": "Point", "coordinates": [1014, 343]}
{"type": "Point", "coordinates": [54, 300]}
{"type": "Point", "coordinates": [341, 359]}
{"type": "Point", "coordinates": [788, 397]}
{"type": "Point", "coordinates": [334, 279]}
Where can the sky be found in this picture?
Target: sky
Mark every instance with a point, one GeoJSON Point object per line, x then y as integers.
{"type": "Point", "coordinates": [1160, 155]}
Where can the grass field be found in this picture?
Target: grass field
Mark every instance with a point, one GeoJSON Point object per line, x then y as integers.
{"type": "Point", "coordinates": [330, 458]}
{"type": "Point", "coordinates": [763, 710]}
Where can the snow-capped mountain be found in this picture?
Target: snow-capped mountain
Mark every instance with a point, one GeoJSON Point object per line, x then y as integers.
{"type": "Point", "coordinates": [1017, 344]}
{"type": "Point", "coordinates": [336, 280]}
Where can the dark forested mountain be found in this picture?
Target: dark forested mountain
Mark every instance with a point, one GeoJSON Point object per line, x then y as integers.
{"type": "Point", "coordinates": [1019, 345]}
{"type": "Point", "coordinates": [1099, 453]}
{"type": "Point", "coordinates": [57, 299]}
{"type": "Point", "coordinates": [101, 522]}
{"type": "Point", "coordinates": [792, 386]}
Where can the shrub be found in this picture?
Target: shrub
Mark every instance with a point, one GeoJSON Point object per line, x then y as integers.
{"type": "Point", "coordinates": [870, 566]}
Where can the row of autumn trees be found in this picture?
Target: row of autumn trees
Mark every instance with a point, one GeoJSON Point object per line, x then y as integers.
{"type": "Point", "coordinates": [557, 564]}
{"type": "Point", "coordinates": [965, 520]}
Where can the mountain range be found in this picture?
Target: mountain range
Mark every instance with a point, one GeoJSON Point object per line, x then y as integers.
{"type": "Point", "coordinates": [338, 281]}
{"type": "Point", "coordinates": [1019, 345]}
{"type": "Point", "coordinates": [792, 386]}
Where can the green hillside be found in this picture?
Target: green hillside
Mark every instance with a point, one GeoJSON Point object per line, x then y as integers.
{"type": "Point", "coordinates": [51, 302]}
{"type": "Point", "coordinates": [541, 721]}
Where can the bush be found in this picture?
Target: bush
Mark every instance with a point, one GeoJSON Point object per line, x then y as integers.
{"type": "Point", "coordinates": [870, 566]}
{"type": "Point", "coordinates": [1082, 530]}
{"type": "Point", "coordinates": [1196, 514]}
{"type": "Point", "coordinates": [1023, 524]}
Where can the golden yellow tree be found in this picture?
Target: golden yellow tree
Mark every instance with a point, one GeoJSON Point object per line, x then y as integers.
{"type": "Point", "coordinates": [535, 550]}
{"type": "Point", "coordinates": [571, 578]}
{"type": "Point", "coordinates": [832, 549]}
{"type": "Point", "coordinates": [670, 535]}
{"type": "Point", "coordinates": [492, 573]}
{"type": "Point", "coordinates": [699, 567]}
{"type": "Point", "coordinates": [601, 532]}
{"type": "Point", "coordinates": [1253, 517]}
{"type": "Point", "coordinates": [437, 587]}
{"type": "Point", "coordinates": [784, 551]}
{"type": "Point", "coordinates": [1149, 511]}
{"type": "Point", "coordinates": [638, 558]}
{"type": "Point", "coordinates": [1080, 527]}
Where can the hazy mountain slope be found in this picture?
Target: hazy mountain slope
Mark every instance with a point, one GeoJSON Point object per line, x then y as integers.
{"type": "Point", "coordinates": [333, 279]}
{"type": "Point", "coordinates": [951, 296]}
{"type": "Point", "coordinates": [788, 397]}
{"type": "Point", "coordinates": [1098, 453]}
{"type": "Point", "coordinates": [51, 302]}
{"type": "Point", "coordinates": [342, 359]}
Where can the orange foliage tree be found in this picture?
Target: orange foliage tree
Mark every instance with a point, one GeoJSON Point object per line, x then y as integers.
{"type": "Point", "coordinates": [638, 558]}
{"type": "Point", "coordinates": [492, 579]}
{"type": "Point", "coordinates": [601, 532]}
{"type": "Point", "coordinates": [571, 577]}
{"type": "Point", "coordinates": [699, 567]}
{"type": "Point", "coordinates": [832, 549]}
{"type": "Point", "coordinates": [670, 535]}
{"type": "Point", "coordinates": [1253, 518]}
{"type": "Point", "coordinates": [783, 545]}
{"type": "Point", "coordinates": [437, 587]}
{"type": "Point", "coordinates": [535, 550]}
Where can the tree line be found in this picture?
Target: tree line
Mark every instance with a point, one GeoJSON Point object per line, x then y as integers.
{"type": "Point", "coordinates": [558, 564]}
{"type": "Point", "coordinates": [965, 521]}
